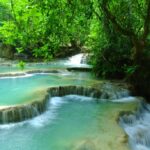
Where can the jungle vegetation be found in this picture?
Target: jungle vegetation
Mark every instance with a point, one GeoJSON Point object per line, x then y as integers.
{"type": "Point", "coordinates": [115, 32]}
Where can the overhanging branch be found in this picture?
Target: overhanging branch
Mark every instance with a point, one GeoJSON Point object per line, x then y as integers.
{"type": "Point", "coordinates": [147, 22]}
{"type": "Point", "coordinates": [97, 15]}
{"type": "Point", "coordinates": [113, 20]}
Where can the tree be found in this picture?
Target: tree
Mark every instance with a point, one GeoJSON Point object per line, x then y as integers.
{"type": "Point", "coordinates": [132, 19]}
{"type": "Point", "coordinates": [111, 50]}
{"type": "Point", "coordinates": [138, 35]}
{"type": "Point", "coordinates": [41, 28]}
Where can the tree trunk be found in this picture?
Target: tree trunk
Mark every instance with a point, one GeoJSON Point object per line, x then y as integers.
{"type": "Point", "coordinates": [138, 50]}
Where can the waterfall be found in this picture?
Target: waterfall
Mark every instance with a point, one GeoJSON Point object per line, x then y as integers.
{"type": "Point", "coordinates": [79, 60]}
{"type": "Point", "coordinates": [137, 126]}
{"type": "Point", "coordinates": [27, 111]}
{"type": "Point", "coordinates": [114, 92]}
{"type": "Point", "coordinates": [77, 90]}
{"type": "Point", "coordinates": [22, 112]}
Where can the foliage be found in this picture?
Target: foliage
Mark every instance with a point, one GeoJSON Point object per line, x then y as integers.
{"type": "Point", "coordinates": [130, 69]}
{"type": "Point", "coordinates": [122, 36]}
{"type": "Point", "coordinates": [21, 65]}
{"type": "Point", "coordinates": [40, 28]}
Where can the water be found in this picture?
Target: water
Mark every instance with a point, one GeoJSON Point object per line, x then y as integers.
{"type": "Point", "coordinates": [70, 123]}
{"type": "Point", "coordinates": [17, 90]}
{"type": "Point", "coordinates": [78, 60]}
{"type": "Point", "coordinates": [137, 126]}
{"type": "Point", "coordinates": [31, 87]}
{"type": "Point", "coordinates": [74, 61]}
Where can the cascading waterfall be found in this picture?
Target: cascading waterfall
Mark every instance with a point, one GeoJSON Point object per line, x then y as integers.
{"type": "Point", "coordinates": [79, 60]}
{"type": "Point", "coordinates": [27, 111]}
{"type": "Point", "coordinates": [137, 126]}
{"type": "Point", "coordinates": [22, 112]}
{"type": "Point", "coordinates": [114, 92]}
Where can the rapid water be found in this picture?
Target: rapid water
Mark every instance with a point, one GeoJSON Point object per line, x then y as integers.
{"type": "Point", "coordinates": [137, 126]}
{"type": "Point", "coordinates": [78, 60]}
{"type": "Point", "coordinates": [70, 123]}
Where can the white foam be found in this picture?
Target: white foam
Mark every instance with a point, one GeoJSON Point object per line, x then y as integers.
{"type": "Point", "coordinates": [50, 115]}
{"type": "Point", "coordinates": [78, 98]}
{"type": "Point", "coordinates": [137, 126]}
{"type": "Point", "coordinates": [26, 75]}
{"type": "Point", "coordinates": [11, 125]}
{"type": "Point", "coordinates": [56, 101]}
{"type": "Point", "coordinates": [125, 99]}
{"type": "Point", "coordinates": [45, 118]}
{"type": "Point", "coordinates": [140, 147]}
{"type": "Point", "coordinates": [77, 60]}
{"type": "Point", "coordinates": [19, 76]}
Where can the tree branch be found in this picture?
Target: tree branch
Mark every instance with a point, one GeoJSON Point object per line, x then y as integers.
{"type": "Point", "coordinates": [147, 23]}
{"type": "Point", "coordinates": [97, 15]}
{"type": "Point", "coordinates": [112, 18]}
{"type": "Point", "coordinates": [140, 10]}
{"type": "Point", "coordinates": [95, 12]}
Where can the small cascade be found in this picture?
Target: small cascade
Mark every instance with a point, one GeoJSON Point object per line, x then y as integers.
{"type": "Point", "coordinates": [22, 112]}
{"type": "Point", "coordinates": [76, 90]}
{"type": "Point", "coordinates": [137, 126]}
{"type": "Point", "coordinates": [78, 60]}
{"type": "Point", "coordinates": [27, 111]}
{"type": "Point", "coordinates": [113, 92]}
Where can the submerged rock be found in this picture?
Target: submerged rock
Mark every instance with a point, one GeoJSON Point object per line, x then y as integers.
{"type": "Point", "coordinates": [84, 69]}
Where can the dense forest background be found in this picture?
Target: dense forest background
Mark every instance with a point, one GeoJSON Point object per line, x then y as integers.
{"type": "Point", "coordinates": [115, 32]}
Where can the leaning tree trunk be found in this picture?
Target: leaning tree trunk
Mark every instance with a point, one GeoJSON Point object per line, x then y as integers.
{"type": "Point", "coordinates": [138, 51]}
{"type": "Point", "coordinates": [140, 77]}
